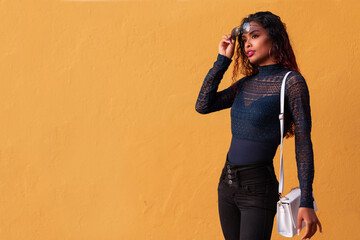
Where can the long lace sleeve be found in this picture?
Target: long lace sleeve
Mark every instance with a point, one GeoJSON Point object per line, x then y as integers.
{"type": "Point", "coordinates": [299, 103]}
{"type": "Point", "coordinates": [209, 100]}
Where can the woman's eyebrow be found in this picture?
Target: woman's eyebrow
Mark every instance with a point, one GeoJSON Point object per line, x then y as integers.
{"type": "Point", "coordinates": [252, 32]}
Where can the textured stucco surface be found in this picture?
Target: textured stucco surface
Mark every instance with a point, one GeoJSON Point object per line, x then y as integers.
{"type": "Point", "coordinates": [99, 137]}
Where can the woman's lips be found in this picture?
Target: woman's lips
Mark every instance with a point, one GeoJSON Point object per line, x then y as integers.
{"type": "Point", "coordinates": [251, 53]}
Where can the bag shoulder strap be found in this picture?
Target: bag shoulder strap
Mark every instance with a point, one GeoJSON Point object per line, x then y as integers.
{"type": "Point", "coordinates": [281, 118]}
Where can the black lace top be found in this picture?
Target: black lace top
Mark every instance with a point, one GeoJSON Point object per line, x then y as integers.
{"type": "Point", "coordinates": [255, 107]}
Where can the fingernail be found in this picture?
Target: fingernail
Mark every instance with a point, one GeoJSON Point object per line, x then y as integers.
{"type": "Point", "coordinates": [298, 231]}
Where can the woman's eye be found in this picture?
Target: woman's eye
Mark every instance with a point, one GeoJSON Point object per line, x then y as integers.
{"type": "Point", "coordinates": [244, 40]}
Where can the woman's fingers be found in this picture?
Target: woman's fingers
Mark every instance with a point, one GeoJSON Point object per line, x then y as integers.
{"type": "Point", "coordinates": [308, 232]}
{"type": "Point", "coordinates": [314, 228]}
{"type": "Point", "coordinates": [223, 40]}
{"type": "Point", "coordinates": [318, 223]}
{"type": "Point", "coordinates": [311, 229]}
{"type": "Point", "coordinates": [226, 38]}
{"type": "Point", "coordinates": [226, 46]}
{"type": "Point", "coordinates": [311, 221]}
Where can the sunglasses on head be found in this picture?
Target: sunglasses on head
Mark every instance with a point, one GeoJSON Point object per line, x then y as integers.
{"type": "Point", "coordinates": [245, 28]}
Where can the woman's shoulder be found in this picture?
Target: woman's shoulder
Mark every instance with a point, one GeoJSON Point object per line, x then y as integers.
{"type": "Point", "coordinates": [295, 78]}
{"type": "Point", "coordinates": [241, 81]}
{"type": "Point", "coordinates": [296, 85]}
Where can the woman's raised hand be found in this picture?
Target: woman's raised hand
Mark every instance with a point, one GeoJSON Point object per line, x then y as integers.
{"type": "Point", "coordinates": [226, 46]}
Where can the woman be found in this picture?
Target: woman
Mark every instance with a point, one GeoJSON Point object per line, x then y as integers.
{"type": "Point", "coordinates": [248, 187]}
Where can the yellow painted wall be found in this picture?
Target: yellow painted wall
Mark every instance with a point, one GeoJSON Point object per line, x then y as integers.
{"type": "Point", "coordinates": [99, 137]}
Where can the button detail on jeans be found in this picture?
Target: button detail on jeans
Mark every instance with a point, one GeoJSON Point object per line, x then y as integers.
{"type": "Point", "coordinates": [229, 176]}
{"type": "Point", "coordinates": [230, 182]}
{"type": "Point", "coordinates": [228, 166]}
{"type": "Point", "coordinates": [229, 171]}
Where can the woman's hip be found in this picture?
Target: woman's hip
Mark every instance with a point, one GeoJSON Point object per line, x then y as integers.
{"type": "Point", "coordinates": [252, 185]}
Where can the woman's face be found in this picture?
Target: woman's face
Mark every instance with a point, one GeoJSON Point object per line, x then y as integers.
{"type": "Point", "coordinates": [257, 45]}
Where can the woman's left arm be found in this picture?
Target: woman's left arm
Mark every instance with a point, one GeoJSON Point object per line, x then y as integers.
{"type": "Point", "coordinates": [298, 98]}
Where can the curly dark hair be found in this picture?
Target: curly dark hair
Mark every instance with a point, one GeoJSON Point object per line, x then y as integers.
{"type": "Point", "coordinates": [281, 50]}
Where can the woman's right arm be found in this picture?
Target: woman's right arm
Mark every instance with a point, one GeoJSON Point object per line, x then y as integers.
{"type": "Point", "coordinates": [209, 100]}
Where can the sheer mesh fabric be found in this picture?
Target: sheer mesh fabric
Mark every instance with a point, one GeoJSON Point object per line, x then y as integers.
{"type": "Point", "coordinates": [255, 107]}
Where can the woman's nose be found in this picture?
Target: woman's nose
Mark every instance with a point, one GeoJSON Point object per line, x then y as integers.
{"type": "Point", "coordinates": [248, 44]}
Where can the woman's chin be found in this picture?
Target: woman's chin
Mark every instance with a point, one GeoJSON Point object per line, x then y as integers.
{"type": "Point", "coordinates": [252, 61]}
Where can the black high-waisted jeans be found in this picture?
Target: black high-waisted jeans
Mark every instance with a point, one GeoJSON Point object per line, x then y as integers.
{"type": "Point", "coordinates": [247, 197]}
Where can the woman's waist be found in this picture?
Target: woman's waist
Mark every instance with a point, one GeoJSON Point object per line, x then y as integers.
{"type": "Point", "coordinates": [245, 152]}
{"type": "Point", "coordinates": [254, 173]}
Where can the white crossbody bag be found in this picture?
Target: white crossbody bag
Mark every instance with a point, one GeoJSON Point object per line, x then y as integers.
{"type": "Point", "coordinates": [288, 206]}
